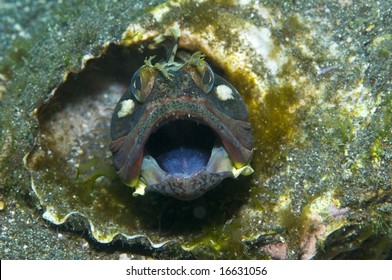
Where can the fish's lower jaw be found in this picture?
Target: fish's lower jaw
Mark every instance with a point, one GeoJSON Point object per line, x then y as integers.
{"type": "Point", "coordinates": [184, 186]}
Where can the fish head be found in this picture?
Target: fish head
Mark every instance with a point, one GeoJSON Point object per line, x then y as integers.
{"type": "Point", "coordinates": [180, 129]}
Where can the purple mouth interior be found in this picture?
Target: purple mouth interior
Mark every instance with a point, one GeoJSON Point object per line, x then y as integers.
{"type": "Point", "coordinates": [183, 161]}
{"type": "Point", "coordinates": [182, 147]}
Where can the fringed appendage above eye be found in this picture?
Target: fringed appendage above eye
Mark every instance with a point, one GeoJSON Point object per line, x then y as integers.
{"type": "Point", "coordinates": [200, 72]}
{"type": "Point", "coordinates": [143, 81]}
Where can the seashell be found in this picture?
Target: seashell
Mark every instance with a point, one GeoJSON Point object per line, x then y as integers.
{"type": "Point", "coordinates": [72, 168]}
{"type": "Point", "coordinates": [265, 76]}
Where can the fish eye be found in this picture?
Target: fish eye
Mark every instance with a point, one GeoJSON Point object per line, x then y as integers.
{"type": "Point", "coordinates": [137, 83]}
{"type": "Point", "coordinates": [142, 83]}
{"type": "Point", "coordinates": [202, 75]}
{"type": "Point", "coordinates": [208, 78]}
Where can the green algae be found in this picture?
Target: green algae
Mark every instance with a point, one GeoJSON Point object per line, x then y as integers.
{"type": "Point", "coordinates": [275, 124]}
{"type": "Point", "coordinates": [376, 150]}
{"type": "Point", "coordinates": [292, 26]}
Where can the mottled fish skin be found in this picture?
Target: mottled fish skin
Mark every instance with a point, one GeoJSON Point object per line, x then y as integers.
{"type": "Point", "coordinates": [169, 91]}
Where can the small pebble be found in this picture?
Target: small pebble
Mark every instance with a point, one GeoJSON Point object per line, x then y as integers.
{"type": "Point", "coordinates": [124, 256]}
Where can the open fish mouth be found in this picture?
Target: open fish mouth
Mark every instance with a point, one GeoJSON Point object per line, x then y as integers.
{"type": "Point", "coordinates": [181, 147]}
{"type": "Point", "coordinates": [185, 150]}
{"type": "Point", "coordinates": [185, 158]}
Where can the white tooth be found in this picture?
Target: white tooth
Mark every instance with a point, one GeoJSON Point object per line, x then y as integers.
{"type": "Point", "coordinates": [220, 162]}
{"type": "Point", "coordinates": [151, 172]}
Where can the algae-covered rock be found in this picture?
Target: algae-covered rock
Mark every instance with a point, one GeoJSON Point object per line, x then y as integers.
{"type": "Point", "coordinates": [315, 79]}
